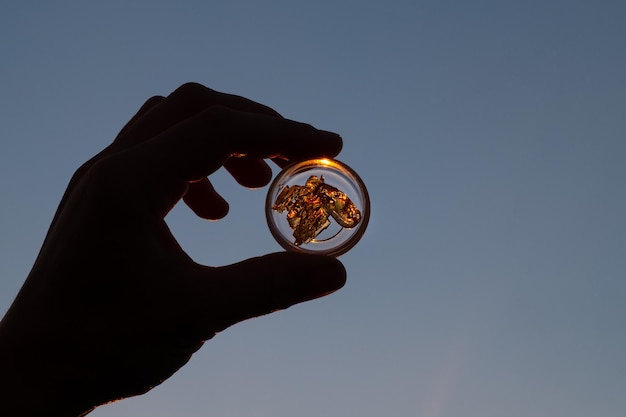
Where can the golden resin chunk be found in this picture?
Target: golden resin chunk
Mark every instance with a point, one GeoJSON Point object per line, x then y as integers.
{"type": "Point", "coordinates": [309, 206]}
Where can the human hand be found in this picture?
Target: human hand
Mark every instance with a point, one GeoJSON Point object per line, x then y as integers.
{"type": "Point", "coordinates": [113, 305]}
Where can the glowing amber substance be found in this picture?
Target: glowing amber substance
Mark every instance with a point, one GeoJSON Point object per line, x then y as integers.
{"type": "Point", "coordinates": [309, 206]}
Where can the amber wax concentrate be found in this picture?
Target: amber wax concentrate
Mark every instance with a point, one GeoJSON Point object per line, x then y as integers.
{"type": "Point", "coordinates": [317, 206]}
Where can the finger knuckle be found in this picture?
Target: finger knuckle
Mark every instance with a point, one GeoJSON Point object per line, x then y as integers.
{"type": "Point", "coordinates": [192, 90]}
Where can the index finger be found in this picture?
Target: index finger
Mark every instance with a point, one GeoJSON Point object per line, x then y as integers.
{"type": "Point", "coordinates": [199, 145]}
{"type": "Point", "coordinates": [194, 148]}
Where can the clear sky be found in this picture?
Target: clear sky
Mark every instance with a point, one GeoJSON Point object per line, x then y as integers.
{"type": "Point", "coordinates": [491, 135]}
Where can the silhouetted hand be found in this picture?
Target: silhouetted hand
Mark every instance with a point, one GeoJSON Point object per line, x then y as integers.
{"type": "Point", "coordinates": [113, 306]}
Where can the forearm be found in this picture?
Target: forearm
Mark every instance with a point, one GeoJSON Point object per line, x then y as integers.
{"type": "Point", "coordinates": [33, 378]}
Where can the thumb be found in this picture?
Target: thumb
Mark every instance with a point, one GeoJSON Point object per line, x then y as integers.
{"type": "Point", "coordinates": [265, 284]}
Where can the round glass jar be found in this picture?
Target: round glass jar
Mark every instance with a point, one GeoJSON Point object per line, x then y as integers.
{"type": "Point", "coordinates": [317, 206]}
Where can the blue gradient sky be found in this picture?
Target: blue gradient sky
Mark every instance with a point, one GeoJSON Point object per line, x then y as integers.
{"type": "Point", "coordinates": [491, 135]}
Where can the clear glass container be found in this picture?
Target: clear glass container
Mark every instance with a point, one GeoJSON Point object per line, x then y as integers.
{"type": "Point", "coordinates": [317, 206]}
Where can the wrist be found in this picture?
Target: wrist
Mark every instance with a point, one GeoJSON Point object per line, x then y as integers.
{"type": "Point", "coordinates": [34, 381]}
